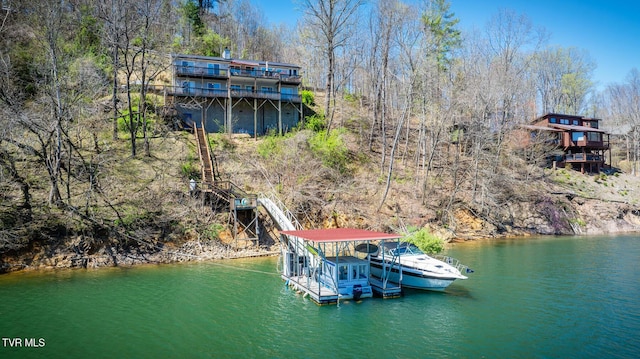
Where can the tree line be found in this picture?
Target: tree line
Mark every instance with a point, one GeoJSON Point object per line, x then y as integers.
{"type": "Point", "coordinates": [439, 102]}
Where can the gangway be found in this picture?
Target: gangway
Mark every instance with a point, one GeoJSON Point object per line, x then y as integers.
{"type": "Point", "coordinates": [283, 218]}
{"type": "Point", "coordinates": [286, 221]}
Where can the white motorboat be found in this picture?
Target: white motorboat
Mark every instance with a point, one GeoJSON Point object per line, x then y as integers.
{"type": "Point", "coordinates": [403, 263]}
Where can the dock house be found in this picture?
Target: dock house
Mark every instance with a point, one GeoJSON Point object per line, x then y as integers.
{"type": "Point", "coordinates": [325, 265]}
{"type": "Point", "coordinates": [583, 144]}
{"type": "Point", "coordinates": [229, 95]}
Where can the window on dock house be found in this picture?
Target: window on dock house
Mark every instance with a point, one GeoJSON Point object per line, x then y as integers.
{"type": "Point", "coordinates": [359, 271]}
{"type": "Point", "coordinates": [343, 272]}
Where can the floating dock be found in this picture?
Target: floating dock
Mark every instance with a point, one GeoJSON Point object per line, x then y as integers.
{"type": "Point", "coordinates": [385, 289]}
{"type": "Point", "coordinates": [323, 264]}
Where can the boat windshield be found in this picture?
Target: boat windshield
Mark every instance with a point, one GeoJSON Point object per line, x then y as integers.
{"type": "Point", "coordinates": [406, 249]}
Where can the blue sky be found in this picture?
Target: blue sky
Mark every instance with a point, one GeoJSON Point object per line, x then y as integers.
{"type": "Point", "coordinates": [608, 29]}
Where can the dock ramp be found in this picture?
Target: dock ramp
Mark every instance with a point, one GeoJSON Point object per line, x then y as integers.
{"type": "Point", "coordinates": [286, 221]}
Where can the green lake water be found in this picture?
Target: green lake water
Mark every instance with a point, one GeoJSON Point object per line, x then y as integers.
{"type": "Point", "coordinates": [529, 298]}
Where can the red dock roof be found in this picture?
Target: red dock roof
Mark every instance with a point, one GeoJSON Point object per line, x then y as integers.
{"type": "Point", "coordinates": [340, 235]}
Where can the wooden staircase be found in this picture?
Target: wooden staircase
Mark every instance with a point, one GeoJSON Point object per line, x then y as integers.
{"type": "Point", "coordinates": [206, 160]}
{"type": "Point", "coordinates": [242, 206]}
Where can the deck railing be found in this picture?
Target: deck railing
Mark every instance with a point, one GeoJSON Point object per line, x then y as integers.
{"type": "Point", "coordinates": [214, 72]}
{"type": "Point", "coordinates": [235, 93]}
{"type": "Point", "coordinates": [582, 157]}
{"type": "Point", "coordinates": [200, 71]}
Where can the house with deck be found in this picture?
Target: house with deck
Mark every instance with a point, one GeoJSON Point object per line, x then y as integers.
{"type": "Point", "coordinates": [229, 95]}
{"type": "Point", "coordinates": [582, 143]}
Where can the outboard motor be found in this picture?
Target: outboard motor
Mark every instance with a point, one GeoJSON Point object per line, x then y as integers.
{"type": "Point", "coordinates": [357, 292]}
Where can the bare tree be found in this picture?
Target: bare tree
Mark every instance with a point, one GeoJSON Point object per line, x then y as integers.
{"type": "Point", "coordinates": [386, 18]}
{"type": "Point", "coordinates": [331, 20]}
{"type": "Point", "coordinates": [113, 14]}
{"type": "Point", "coordinates": [562, 77]}
{"type": "Point", "coordinates": [149, 66]}
{"type": "Point", "coordinates": [441, 40]}
{"type": "Point", "coordinates": [624, 102]}
{"type": "Point", "coordinates": [11, 101]}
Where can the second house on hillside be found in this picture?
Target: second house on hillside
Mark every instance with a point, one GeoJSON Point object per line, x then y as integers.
{"type": "Point", "coordinates": [582, 143]}
{"type": "Point", "coordinates": [236, 96]}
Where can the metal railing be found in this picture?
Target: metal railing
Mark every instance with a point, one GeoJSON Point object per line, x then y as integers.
{"type": "Point", "coordinates": [206, 71]}
{"type": "Point", "coordinates": [462, 268]}
{"type": "Point", "coordinates": [279, 212]}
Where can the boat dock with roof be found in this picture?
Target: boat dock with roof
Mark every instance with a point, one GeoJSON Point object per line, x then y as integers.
{"type": "Point", "coordinates": [324, 264]}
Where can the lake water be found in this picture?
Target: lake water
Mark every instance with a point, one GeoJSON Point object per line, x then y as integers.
{"type": "Point", "coordinates": [529, 298]}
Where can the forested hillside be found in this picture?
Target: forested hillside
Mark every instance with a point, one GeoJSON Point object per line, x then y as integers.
{"type": "Point", "coordinates": [414, 126]}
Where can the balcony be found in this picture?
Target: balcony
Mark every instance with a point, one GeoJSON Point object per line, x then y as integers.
{"type": "Point", "coordinates": [213, 72]}
{"type": "Point", "coordinates": [266, 74]}
{"type": "Point", "coordinates": [590, 144]}
{"type": "Point", "coordinates": [201, 71]}
{"type": "Point", "coordinates": [235, 93]}
{"type": "Point", "coordinates": [595, 145]}
{"type": "Point", "coordinates": [238, 93]}
{"type": "Point", "coordinates": [290, 79]}
{"type": "Point", "coordinates": [584, 157]}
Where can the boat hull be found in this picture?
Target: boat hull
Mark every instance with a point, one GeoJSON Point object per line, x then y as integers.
{"type": "Point", "coordinates": [410, 277]}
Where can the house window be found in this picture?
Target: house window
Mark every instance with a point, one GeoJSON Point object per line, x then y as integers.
{"type": "Point", "coordinates": [267, 89]}
{"type": "Point", "coordinates": [576, 123]}
{"type": "Point", "coordinates": [212, 87]}
{"type": "Point", "coordinates": [187, 67]}
{"type": "Point", "coordinates": [188, 87]}
{"type": "Point", "coordinates": [553, 120]}
{"type": "Point", "coordinates": [564, 121]}
{"type": "Point", "coordinates": [214, 69]}
{"type": "Point", "coordinates": [577, 136]}
{"type": "Point", "coordinates": [594, 136]}
{"type": "Point", "coordinates": [235, 88]}
{"type": "Point", "coordinates": [594, 124]}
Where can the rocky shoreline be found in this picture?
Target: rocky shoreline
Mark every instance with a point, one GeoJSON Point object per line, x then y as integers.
{"type": "Point", "coordinates": [623, 221]}
{"type": "Point", "coordinates": [51, 258]}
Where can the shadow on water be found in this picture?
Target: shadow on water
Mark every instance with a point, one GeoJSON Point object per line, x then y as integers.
{"type": "Point", "coordinates": [452, 291]}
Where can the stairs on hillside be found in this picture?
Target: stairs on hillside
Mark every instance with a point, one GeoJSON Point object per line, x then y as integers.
{"type": "Point", "coordinates": [242, 206]}
{"type": "Point", "coordinates": [208, 170]}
